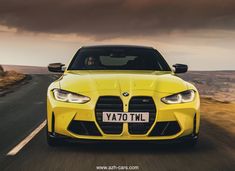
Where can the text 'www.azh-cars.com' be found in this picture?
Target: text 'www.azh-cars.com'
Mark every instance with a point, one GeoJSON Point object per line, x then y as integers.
{"type": "Point", "coordinates": [117, 167]}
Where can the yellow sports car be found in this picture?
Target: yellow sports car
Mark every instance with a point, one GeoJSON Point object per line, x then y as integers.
{"type": "Point", "coordinates": [121, 93]}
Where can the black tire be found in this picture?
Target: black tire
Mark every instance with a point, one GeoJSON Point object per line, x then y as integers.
{"type": "Point", "coordinates": [51, 141]}
{"type": "Point", "coordinates": [191, 143]}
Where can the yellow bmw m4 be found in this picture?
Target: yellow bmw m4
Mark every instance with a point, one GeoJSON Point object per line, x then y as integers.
{"type": "Point", "coordinates": [121, 93]}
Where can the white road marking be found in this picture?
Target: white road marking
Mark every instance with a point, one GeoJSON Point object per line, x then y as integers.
{"type": "Point", "coordinates": [18, 147]}
{"type": "Point", "coordinates": [39, 103]}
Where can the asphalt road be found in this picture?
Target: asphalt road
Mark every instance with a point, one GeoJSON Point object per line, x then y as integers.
{"type": "Point", "coordinates": [24, 109]}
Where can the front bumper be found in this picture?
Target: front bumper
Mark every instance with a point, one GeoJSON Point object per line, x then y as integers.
{"type": "Point", "coordinates": [63, 138]}
{"type": "Point", "coordinates": [185, 119]}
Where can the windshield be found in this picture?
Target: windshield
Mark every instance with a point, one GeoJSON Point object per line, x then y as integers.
{"type": "Point", "coordinates": [113, 58]}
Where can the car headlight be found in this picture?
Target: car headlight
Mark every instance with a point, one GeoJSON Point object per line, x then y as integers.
{"type": "Point", "coordinates": [66, 96]}
{"type": "Point", "coordinates": [183, 97]}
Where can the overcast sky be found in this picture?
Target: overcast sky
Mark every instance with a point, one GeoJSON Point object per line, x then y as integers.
{"type": "Point", "coordinates": [199, 33]}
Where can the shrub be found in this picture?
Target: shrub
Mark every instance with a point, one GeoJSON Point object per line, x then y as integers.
{"type": "Point", "coordinates": [1, 71]}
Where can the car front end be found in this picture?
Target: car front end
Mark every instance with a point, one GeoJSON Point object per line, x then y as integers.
{"type": "Point", "coordinates": [121, 105]}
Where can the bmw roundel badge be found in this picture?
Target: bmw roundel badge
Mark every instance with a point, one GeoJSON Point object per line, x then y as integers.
{"type": "Point", "coordinates": [125, 94]}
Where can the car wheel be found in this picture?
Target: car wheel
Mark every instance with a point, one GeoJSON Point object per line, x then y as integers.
{"type": "Point", "coordinates": [191, 142]}
{"type": "Point", "coordinates": [51, 141]}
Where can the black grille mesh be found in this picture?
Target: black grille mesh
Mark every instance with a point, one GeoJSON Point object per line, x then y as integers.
{"type": "Point", "coordinates": [142, 104]}
{"type": "Point", "coordinates": [108, 104]}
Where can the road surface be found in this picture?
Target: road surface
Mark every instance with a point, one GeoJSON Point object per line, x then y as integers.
{"type": "Point", "coordinates": [25, 109]}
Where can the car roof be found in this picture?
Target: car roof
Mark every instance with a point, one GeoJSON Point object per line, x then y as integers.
{"type": "Point", "coordinates": [118, 46]}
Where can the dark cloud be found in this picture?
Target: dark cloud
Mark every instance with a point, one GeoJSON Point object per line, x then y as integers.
{"type": "Point", "coordinates": [101, 18]}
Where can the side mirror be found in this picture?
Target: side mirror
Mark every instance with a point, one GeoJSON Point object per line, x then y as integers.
{"type": "Point", "coordinates": [56, 67]}
{"type": "Point", "coordinates": [180, 68]}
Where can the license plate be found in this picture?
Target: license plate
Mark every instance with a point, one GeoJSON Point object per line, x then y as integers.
{"type": "Point", "coordinates": [130, 117]}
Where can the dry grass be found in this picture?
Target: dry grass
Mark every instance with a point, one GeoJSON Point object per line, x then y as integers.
{"type": "Point", "coordinates": [10, 78]}
{"type": "Point", "coordinates": [219, 113]}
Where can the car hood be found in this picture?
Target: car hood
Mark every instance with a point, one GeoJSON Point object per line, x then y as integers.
{"type": "Point", "coordinates": [87, 81]}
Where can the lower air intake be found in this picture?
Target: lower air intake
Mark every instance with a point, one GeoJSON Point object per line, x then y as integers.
{"type": "Point", "coordinates": [83, 128]}
{"type": "Point", "coordinates": [165, 129]}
